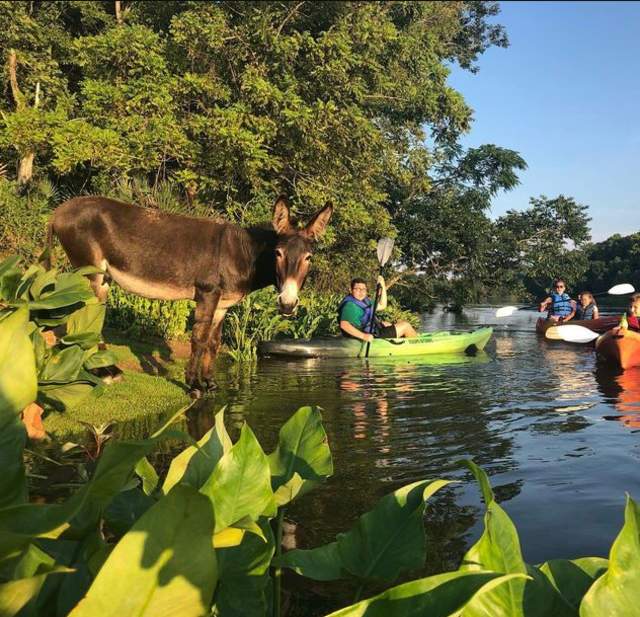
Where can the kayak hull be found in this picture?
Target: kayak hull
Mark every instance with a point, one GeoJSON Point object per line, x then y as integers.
{"type": "Point", "coordinates": [600, 325]}
{"type": "Point", "coordinates": [620, 348]}
{"type": "Point", "coordinates": [341, 347]}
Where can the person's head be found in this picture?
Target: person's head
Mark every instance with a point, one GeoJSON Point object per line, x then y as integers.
{"type": "Point", "coordinates": [559, 286]}
{"type": "Point", "coordinates": [634, 305]}
{"type": "Point", "coordinates": [586, 298]}
{"type": "Point", "coordinates": [359, 288]}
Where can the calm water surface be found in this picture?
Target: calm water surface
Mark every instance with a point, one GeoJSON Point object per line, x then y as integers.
{"type": "Point", "coordinates": [559, 436]}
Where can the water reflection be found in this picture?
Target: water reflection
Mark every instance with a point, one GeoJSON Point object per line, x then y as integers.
{"type": "Point", "coordinates": [622, 390]}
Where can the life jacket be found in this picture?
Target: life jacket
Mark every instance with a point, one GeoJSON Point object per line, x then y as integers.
{"type": "Point", "coordinates": [560, 305]}
{"type": "Point", "coordinates": [366, 323]}
{"type": "Point", "coordinates": [585, 312]}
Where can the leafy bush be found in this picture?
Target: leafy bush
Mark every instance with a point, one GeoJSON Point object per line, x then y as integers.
{"type": "Point", "coordinates": [139, 316]}
{"type": "Point", "coordinates": [51, 300]}
{"type": "Point", "coordinates": [200, 539]}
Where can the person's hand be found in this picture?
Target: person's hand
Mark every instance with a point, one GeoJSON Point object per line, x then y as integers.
{"type": "Point", "coordinates": [367, 338]}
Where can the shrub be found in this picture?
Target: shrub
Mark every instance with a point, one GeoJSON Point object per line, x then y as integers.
{"type": "Point", "coordinates": [139, 316]}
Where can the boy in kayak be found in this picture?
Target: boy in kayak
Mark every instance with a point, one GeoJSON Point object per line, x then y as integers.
{"type": "Point", "coordinates": [558, 303]}
{"type": "Point", "coordinates": [586, 307]}
{"type": "Point", "coordinates": [633, 314]}
{"type": "Point", "coordinates": [355, 312]}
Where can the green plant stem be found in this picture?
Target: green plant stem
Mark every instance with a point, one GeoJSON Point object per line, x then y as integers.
{"type": "Point", "coordinates": [277, 575]}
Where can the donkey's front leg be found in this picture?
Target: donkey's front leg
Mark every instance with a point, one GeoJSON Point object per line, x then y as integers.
{"type": "Point", "coordinates": [199, 374]}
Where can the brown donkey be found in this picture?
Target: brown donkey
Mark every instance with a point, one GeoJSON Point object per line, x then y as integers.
{"type": "Point", "coordinates": [172, 257]}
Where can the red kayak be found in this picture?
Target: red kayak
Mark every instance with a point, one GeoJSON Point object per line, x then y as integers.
{"type": "Point", "coordinates": [600, 325]}
{"type": "Point", "coordinates": [620, 348]}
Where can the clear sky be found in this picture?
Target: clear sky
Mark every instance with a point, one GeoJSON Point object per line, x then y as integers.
{"type": "Point", "coordinates": [565, 94]}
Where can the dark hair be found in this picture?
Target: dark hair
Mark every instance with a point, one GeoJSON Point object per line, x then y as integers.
{"type": "Point", "coordinates": [357, 280]}
{"type": "Point", "coordinates": [633, 298]}
{"type": "Point", "coordinates": [556, 281]}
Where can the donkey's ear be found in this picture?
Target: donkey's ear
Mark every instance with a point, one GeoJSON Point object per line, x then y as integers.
{"type": "Point", "coordinates": [316, 226]}
{"type": "Point", "coordinates": [281, 220]}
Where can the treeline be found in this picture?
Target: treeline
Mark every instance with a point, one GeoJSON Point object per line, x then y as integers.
{"type": "Point", "coordinates": [213, 108]}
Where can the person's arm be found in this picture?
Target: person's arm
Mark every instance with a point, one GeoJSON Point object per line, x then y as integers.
{"type": "Point", "coordinates": [544, 304]}
{"type": "Point", "coordinates": [572, 314]}
{"type": "Point", "coordinates": [382, 302]}
{"type": "Point", "coordinates": [596, 313]}
{"type": "Point", "coordinates": [353, 331]}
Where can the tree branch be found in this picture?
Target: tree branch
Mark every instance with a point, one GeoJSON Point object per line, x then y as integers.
{"type": "Point", "coordinates": [292, 12]}
{"type": "Point", "coordinates": [18, 97]}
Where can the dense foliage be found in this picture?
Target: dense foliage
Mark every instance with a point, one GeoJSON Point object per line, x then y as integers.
{"type": "Point", "coordinates": [205, 537]}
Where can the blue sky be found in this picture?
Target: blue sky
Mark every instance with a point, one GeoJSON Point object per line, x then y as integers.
{"type": "Point", "coordinates": [566, 95]}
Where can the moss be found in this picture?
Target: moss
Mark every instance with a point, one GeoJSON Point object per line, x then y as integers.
{"type": "Point", "coordinates": [136, 397]}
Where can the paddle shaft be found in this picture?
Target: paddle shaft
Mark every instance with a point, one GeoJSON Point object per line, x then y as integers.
{"type": "Point", "coordinates": [372, 321]}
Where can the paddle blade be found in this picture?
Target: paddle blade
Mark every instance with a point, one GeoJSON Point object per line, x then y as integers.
{"type": "Point", "coordinates": [572, 333]}
{"type": "Point", "coordinates": [385, 247]}
{"type": "Point", "coordinates": [505, 311]}
{"type": "Point", "coordinates": [621, 290]}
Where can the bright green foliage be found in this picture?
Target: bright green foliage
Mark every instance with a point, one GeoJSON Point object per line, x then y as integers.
{"type": "Point", "coordinates": [245, 465]}
{"type": "Point", "coordinates": [384, 542]}
{"type": "Point", "coordinates": [617, 592]}
{"type": "Point", "coordinates": [443, 595]}
{"type": "Point", "coordinates": [56, 299]}
{"type": "Point", "coordinates": [18, 388]}
{"type": "Point", "coordinates": [195, 465]}
{"type": "Point", "coordinates": [302, 458]}
{"type": "Point", "coordinates": [168, 553]}
{"type": "Point", "coordinates": [138, 316]}
{"type": "Point", "coordinates": [573, 578]}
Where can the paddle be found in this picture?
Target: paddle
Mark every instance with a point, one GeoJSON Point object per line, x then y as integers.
{"type": "Point", "coordinates": [572, 333]}
{"type": "Point", "coordinates": [385, 246]}
{"type": "Point", "coordinates": [617, 290]}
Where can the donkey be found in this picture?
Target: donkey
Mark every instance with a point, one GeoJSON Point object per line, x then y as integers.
{"type": "Point", "coordinates": [173, 257]}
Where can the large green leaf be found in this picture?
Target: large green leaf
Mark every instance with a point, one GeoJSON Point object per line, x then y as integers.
{"type": "Point", "coordinates": [20, 524]}
{"type": "Point", "coordinates": [42, 282]}
{"type": "Point", "coordinates": [15, 595]}
{"type": "Point", "coordinates": [498, 550]}
{"type": "Point", "coordinates": [302, 457]}
{"type": "Point", "coordinates": [63, 365]}
{"type": "Point", "coordinates": [443, 595]}
{"type": "Point", "coordinates": [64, 396]}
{"type": "Point", "coordinates": [194, 465]}
{"type": "Point", "coordinates": [244, 575]}
{"type": "Point", "coordinates": [165, 565]}
{"type": "Point", "coordinates": [86, 340]}
{"type": "Point", "coordinates": [572, 579]}
{"type": "Point", "coordinates": [100, 359]}
{"type": "Point", "coordinates": [240, 485]}
{"type": "Point", "coordinates": [89, 318]}
{"type": "Point", "coordinates": [617, 592]}
{"type": "Point", "coordinates": [18, 388]}
{"type": "Point", "coordinates": [383, 542]}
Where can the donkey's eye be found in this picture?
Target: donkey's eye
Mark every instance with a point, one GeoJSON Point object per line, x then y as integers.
{"type": "Point", "coordinates": [307, 258]}
{"type": "Point", "coordinates": [279, 254]}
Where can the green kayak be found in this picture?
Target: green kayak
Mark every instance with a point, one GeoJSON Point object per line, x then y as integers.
{"type": "Point", "coordinates": [341, 347]}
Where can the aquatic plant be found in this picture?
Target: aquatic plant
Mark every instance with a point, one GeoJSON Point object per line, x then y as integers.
{"type": "Point", "coordinates": [206, 538]}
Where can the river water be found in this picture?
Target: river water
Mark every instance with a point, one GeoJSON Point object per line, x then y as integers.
{"type": "Point", "coordinates": [558, 435]}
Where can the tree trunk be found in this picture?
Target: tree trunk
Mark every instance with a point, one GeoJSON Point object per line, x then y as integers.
{"type": "Point", "coordinates": [25, 168]}
{"type": "Point", "coordinates": [118, 12]}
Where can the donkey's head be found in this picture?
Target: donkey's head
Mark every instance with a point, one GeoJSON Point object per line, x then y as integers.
{"type": "Point", "coordinates": [293, 252]}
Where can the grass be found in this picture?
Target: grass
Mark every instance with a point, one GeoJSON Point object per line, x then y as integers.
{"type": "Point", "coordinates": [152, 388]}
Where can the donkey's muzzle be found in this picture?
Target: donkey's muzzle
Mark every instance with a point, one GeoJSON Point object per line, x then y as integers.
{"type": "Point", "coordinates": [288, 310]}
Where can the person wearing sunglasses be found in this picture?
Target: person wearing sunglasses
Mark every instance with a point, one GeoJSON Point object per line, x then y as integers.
{"type": "Point", "coordinates": [558, 304]}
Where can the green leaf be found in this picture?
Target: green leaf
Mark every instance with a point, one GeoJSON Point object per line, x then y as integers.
{"type": "Point", "coordinates": [194, 465]}
{"type": "Point", "coordinates": [85, 340]}
{"type": "Point", "coordinates": [145, 471]}
{"type": "Point", "coordinates": [66, 395]}
{"type": "Point", "coordinates": [165, 565]}
{"type": "Point", "coordinates": [240, 484]}
{"type": "Point", "coordinates": [100, 359]}
{"type": "Point", "coordinates": [302, 457]}
{"type": "Point", "coordinates": [443, 595]}
{"type": "Point", "coordinates": [9, 264]}
{"type": "Point", "coordinates": [63, 365]}
{"type": "Point", "coordinates": [89, 318]}
{"type": "Point", "coordinates": [244, 575]}
{"type": "Point", "coordinates": [617, 592]}
{"type": "Point", "coordinates": [498, 550]}
{"type": "Point", "coordinates": [15, 595]}
{"type": "Point", "coordinates": [125, 509]}
{"type": "Point", "coordinates": [572, 579]}
{"type": "Point", "coordinates": [320, 564]}
{"type": "Point", "coordinates": [42, 282]}
{"type": "Point", "coordinates": [383, 542]}
{"type": "Point", "coordinates": [18, 388]}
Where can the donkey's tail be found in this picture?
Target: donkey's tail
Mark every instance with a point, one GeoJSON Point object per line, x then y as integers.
{"type": "Point", "coordinates": [46, 256]}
